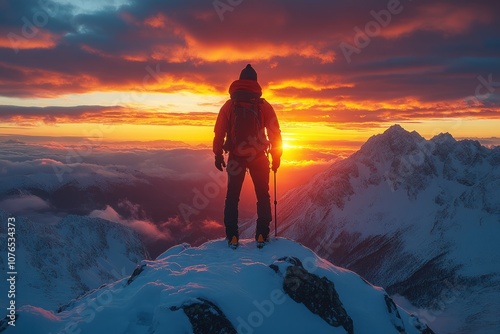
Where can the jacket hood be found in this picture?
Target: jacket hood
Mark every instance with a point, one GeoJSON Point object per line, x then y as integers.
{"type": "Point", "coordinates": [251, 86]}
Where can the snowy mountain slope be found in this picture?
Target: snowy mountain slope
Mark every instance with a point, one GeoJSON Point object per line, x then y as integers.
{"type": "Point", "coordinates": [283, 288]}
{"type": "Point", "coordinates": [419, 217]}
{"type": "Point", "coordinates": [59, 262]}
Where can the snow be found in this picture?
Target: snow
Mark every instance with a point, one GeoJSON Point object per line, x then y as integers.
{"type": "Point", "coordinates": [60, 261]}
{"type": "Point", "coordinates": [240, 282]}
{"type": "Point", "coordinates": [397, 204]}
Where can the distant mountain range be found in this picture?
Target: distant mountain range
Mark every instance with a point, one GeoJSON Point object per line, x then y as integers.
{"type": "Point", "coordinates": [418, 217]}
{"type": "Point", "coordinates": [58, 262]}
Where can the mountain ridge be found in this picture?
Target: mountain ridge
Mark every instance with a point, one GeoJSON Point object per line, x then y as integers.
{"type": "Point", "coordinates": [403, 207]}
{"type": "Point", "coordinates": [58, 262]}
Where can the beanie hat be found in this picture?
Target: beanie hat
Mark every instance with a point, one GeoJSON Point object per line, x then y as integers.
{"type": "Point", "coordinates": [248, 73]}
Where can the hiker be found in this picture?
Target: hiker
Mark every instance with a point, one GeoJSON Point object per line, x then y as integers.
{"type": "Point", "coordinates": [241, 130]}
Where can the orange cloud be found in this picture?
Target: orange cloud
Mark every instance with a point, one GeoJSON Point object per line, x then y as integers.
{"type": "Point", "coordinates": [148, 79]}
{"type": "Point", "coordinates": [43, 39]}
{"type": "Point", "coordinates": [156, 21]}
{"type": "Point", "coordinates": [315, 83]}
{"type": "Point", "coordinates": [202, 52]}
{"type": "Point", "coordinates": [46, 83]}
{"type": "Point", "coordinates": [101, 115]}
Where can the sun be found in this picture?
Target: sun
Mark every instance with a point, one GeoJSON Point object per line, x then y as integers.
{"type": "Point", "coordinates": [287, 145]}
{"type": "Point", "coordinates": [291, 150]}
{"type": "Point", "coordinates": [289, 142]}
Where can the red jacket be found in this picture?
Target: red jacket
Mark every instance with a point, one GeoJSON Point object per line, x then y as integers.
{"type": "Point", "coordinates": [270, 120]}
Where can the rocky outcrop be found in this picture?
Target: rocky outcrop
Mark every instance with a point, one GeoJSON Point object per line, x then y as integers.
{"type": "Point", "coordinates": [4, 323]}
{"type": "Point", "coordinates": [423, 328]}
{"type": "Point", "coordinates": [318, 294]}
{"type": "Point", "coordinates": [137, 271]}
{"type": "Point", "coordinates": [394, 314]}
{"type": "Point", "coordinates": [206, 318]}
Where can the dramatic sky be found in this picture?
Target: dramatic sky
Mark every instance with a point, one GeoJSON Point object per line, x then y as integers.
{"type": "Point", "coordinates": [335, 71]}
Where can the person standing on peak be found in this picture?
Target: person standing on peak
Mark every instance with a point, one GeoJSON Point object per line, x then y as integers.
{"type": "Point", "coordinates": [247, 128]}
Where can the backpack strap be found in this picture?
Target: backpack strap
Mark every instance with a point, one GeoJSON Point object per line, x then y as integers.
{"type": "Point", "coordinates": [228, 144]}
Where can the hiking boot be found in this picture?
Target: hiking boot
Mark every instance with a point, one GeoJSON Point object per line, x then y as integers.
{"type": "Point", "coordinates": [261, 241]}
{"type": "Point", "coordinates": [233, 243]}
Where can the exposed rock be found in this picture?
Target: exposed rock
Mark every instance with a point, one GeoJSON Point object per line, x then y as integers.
{"type": "Point", "coordinates": [206, 318]}
{"type": "Point", "coordinates": [423, 328]}
{"type": "Point", "coordinates": [394, 314]}
{"type": "Point", "coordinates": [4, 323]}
{"type": "Point", "coordinates": [137, 271]}
{"type": "Point", "coordinates": [318, 294]}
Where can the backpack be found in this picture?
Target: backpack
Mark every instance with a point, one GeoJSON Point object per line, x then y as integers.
{"type": "Point", "coordinates": [246, 135]}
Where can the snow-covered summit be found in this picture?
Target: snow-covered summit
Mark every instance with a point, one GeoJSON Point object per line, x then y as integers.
{"type": "Point", "coordinates": [282, 288]}
{"type": "Point", "coordinates": [395, 140]}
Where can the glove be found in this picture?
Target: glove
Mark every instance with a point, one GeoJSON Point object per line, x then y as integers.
{"type": "Point", "coordinates": [276, 154]}
{"type": "Point", "coordinates": [276, 164]}
{"type": "Point", "coordinates": [219, 162]}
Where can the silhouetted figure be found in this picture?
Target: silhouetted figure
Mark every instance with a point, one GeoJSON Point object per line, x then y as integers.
{"type": "Point", "coordinates": [247, 128]}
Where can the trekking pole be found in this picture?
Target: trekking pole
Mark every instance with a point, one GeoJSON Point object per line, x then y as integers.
{"type": "Point", "coordinates": [275, 211]}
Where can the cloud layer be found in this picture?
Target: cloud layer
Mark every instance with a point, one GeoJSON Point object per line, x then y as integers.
{"type": "Point", "coordinates": [168, 195]}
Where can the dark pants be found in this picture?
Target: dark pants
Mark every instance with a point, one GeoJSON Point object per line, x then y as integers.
{"type": "Point", "coordinates": [259, 171]}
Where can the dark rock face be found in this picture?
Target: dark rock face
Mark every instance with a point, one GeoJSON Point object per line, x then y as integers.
{"type": "Point", "coordinates": [317, 294]}
{"type": "Point", "coordinates": [423, 328]}
{"type": "Point", "coordinates": [206, 318]}
{"type": "Point", "coordinates": [394, 314]}
{"type": "Point", "coordinates": [137, 271]}
{"type": "Point", "coordinates": [4, 323]}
